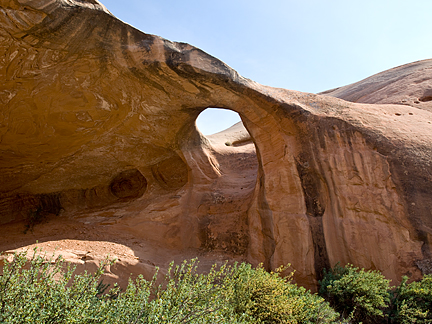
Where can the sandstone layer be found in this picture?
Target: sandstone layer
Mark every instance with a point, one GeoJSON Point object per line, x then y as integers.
{"type": "Point", "coordinates": [98, 142]}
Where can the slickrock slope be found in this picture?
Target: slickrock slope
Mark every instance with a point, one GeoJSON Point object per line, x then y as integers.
{"type": "Point", "coordinates": [409, 84]}
{"type": "Point", "coordinates": [98, 140]}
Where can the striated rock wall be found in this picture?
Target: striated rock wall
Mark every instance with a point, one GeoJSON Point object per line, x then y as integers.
{"type": "Point", "coordinates": [97, 126]}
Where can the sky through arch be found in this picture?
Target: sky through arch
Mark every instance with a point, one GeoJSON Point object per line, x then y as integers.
{"type": "Point", "coordinates": [215, 120]}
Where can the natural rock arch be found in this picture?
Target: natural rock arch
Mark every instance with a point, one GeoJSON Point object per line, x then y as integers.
{"type": "Point", "coordinates": [222, 180]}
{"type": "Point", "coordinates": [330, 172]}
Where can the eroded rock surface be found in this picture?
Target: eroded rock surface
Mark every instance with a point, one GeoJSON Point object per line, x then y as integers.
{"type": "Point", "coordinates": [98, 144]}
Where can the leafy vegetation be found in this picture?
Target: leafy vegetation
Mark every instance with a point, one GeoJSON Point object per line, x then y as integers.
{"type": "Point", "coordinates": [366, 297]}
{"type": "Point", "coordinates": [413, 302]}
{"type": "Point", "coordinates": [358, 294]}
{"type": "Point", "coordinates": [269, 298]}
{"type": "Point", "coordinates": [41, 289]}
{"type": "Point", "coordinates": [46, 291]}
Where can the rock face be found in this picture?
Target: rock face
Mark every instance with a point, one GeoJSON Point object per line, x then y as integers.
{"type": "Point", "coordinates": [409, 84]}
{"type": "Point", "coordinates": [98, 144]}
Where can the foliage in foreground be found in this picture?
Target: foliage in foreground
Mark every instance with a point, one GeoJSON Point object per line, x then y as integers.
{"type": "Point", "coordinates": [269, 298]}
{"type": "Point", "coordinates": [41, 291]}
{"type": "Point", "coordinates": [358, 294]}
{"type": "Point", "coordinates": [46, 290]}
{"type": "Point", "coordinates": [413, 302]}
{"type": "Point", "coordinates": [366, 297]}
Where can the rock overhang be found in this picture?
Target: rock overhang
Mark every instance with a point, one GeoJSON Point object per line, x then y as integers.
{"type": "Point", "coordinates": [88, 100]}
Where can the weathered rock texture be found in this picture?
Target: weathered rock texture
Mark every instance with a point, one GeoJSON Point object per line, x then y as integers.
{"type": "Point", "coordinates": [97, 126]}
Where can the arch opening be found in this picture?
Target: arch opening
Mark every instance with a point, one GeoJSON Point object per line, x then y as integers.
{"type": "Point", "coordinates": [225, 200]}
{"type": "Point", "coordinates": [214, 120]}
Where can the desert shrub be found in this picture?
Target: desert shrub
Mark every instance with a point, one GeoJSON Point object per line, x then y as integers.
{"type": "Point", "coordinates": [186, 296]}
{"type": "Point", "coordinates": [357, 294]}
{"type": "Point", "coordinates": [413, 302]}
{"type": "Point", "coordinates": [269, 298]}
{"type": "Point", "coordinates": [42, 290]}
{"type": "Point", "coordinates": [127, 306]}
{"type": "Point", "coordinates": [46, 290]}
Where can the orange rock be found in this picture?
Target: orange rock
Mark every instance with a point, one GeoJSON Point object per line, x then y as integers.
{"type": "Point", "coordinates": [98, 144]}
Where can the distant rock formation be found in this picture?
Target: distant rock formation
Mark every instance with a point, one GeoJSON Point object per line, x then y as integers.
{"type": "Point", "coordinates": [409, 84]}
{"type": "Point", "coordinates": [97, 126]}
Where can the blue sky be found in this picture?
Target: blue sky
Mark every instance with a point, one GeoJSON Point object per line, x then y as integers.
{"type": "Point", "coordinates": [305, 45]}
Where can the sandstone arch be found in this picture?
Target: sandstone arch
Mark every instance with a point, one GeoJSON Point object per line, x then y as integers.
{"type": "Point", "coordinates": [76, 114]}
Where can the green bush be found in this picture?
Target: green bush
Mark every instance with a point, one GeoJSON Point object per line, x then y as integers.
{"type": "Point", "coordinates": [269, 298]}
{"type": "Point", "coordinates": [186, 296]}
{"type": "Point", "coordinates": [47, 291]}
{"type": "Point", "coordinates": [359, 295]}
{"type": "Point", "coordinates": [413, 302]}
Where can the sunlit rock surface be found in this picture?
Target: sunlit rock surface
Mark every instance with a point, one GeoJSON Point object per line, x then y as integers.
{"type": "Point", "coordinates": [99, 147]}
{"type": "Point", "coordinates": [409, 84]}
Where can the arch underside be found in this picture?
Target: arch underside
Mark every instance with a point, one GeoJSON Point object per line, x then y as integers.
{"type": "Point", "coordinates": [103, 133]}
